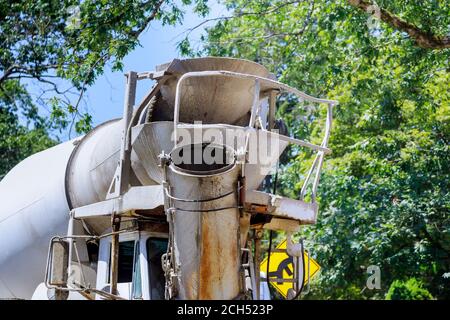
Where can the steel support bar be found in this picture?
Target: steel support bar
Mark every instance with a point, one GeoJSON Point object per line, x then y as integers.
{"type": "Point", "coordinates": [257, 258]}
{"type": "Point", "coordinates": [272, 108]}
{"type": "Point", "coordinates": [121, 180]}
{"type": "Point", "coordinates": [114, 254]}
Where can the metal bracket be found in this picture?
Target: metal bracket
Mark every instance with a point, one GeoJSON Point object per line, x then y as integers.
{"type": "Point", "coordinates": [121, 180]}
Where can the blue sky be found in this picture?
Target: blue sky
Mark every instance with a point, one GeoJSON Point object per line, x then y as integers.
{"type": "Point", "coordinates": [104, 99]}
{"type": "Point", "coordinates": [158, 45]}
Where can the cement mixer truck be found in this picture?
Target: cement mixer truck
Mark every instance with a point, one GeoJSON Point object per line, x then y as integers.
{"type": "Point", "coordinates": [166, 202]}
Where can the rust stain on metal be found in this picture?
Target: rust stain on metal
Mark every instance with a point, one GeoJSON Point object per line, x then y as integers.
{"type": "Point", "coordinates": [242, 190]}
{"type": "Point", "coordinates": [206, 265]}
{"type": "Point", "coordinates": [256, 208]}
{"type": "Point", "coordinates": [212, 269]}
{"type": "Point", "coordinates": [234, 255]}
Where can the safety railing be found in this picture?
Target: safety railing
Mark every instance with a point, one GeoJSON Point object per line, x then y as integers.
{"type": "Point", "coordinates": [270, 84]}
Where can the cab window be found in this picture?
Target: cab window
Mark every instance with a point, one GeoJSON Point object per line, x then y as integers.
{"type": "Point", "coordinates": [156, 247]}
{"type": "Point", "coordinates": [125, 262]}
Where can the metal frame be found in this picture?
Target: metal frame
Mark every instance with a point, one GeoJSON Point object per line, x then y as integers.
{"type": "Point", "coordinates": [121, 181]}
{"type": "Point", "coordinates": [85, 292]}
{"type": "Point", "coordinates": [273, 86]}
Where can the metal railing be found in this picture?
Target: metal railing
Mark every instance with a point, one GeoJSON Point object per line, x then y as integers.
{"type": "Point", "coordinates": [322, 149]}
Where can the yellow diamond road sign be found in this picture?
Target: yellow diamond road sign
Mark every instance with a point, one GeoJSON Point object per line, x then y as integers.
{"type": "Point", "coordinates": [281, 266]}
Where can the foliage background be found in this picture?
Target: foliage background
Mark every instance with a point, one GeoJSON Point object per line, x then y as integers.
{"type": "Point", "coordinates": [62, 47]}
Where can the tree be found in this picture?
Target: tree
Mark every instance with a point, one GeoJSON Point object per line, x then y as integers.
{"type": "Point", "coordinates": [19, 140]}
{"type": "Point", "coordinates": [72, 39]}
{"type": "Point", "coordinates": [409, 290]}
{"type": "Point", "coordinates": [52, 42]}
{"type": "Point", "coordinates": [423, 38]}
{"type": "Point", "coordinates": [384, 193]}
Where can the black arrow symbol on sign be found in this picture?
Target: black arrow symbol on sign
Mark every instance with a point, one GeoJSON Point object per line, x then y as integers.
{"type": "Point", "coordinates": [283, 266]}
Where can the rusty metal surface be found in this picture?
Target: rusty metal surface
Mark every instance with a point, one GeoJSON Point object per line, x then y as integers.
{"type": "Point", "coordinates": [281, 207]}
{"type": "Point", "coordinates": [115, 221]}
{"type": "Point", "coordinates": [207, 242]}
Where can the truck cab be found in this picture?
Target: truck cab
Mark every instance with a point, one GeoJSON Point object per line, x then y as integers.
{"type": "Point", "coordinates": [139, 273]}
{"type": "Point", "coordinates": [80, 266]}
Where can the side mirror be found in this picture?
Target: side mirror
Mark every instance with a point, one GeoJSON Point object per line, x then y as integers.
{"type": "Point", "coordinates": [57, 263]}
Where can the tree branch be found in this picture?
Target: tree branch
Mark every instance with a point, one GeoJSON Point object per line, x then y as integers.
{"type": "Point", "coordinates": [152, 16]}
{"type": "Point", "coordinates": [9, 71]}
{"type": "Point", "coordinates": [422, 38]}
{"type": "Point", "coordinates": [239, 15]}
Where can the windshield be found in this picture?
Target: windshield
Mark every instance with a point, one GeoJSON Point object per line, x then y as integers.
{"type": "Point", "coordinates": [156, 247]}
